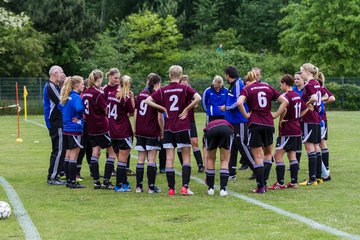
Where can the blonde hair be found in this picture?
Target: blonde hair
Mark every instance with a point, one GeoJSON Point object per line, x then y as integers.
{"type": "Point", "coordinates": [185, 78]}
{"type": "Point", "coordinates": [311, 69]}
{"type": "Point", "coordinates": [321, 79]}
{"type": "Point", "coordinates": [175, 72]}
{"type": "Point", "coordinates": [112, 71]}
{"type": "Point", "coordinates": [250, 77]}
{"type": "Point", "coordinates": [69, 85]}
{"type": "Point", "coordinates": [95, 75]}
{"type": "Point", "coordinates": [218, 80]}
{"type": "Point", "coordinates": [124, 87]}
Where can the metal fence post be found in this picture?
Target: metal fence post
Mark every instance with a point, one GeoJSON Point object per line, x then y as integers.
{"type": "Point", "coordinates": [41, 93]}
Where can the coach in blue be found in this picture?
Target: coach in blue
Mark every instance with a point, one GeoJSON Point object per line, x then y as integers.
{"type": "Point", "coordinates": [53, 119]}
{"type": "Point", "coordinates": [237, 120]}
{"type": "Point", "coordinates": [213, 98]}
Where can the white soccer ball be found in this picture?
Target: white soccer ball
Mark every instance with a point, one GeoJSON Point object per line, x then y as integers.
{"type": "Point", "coordinates": [5, 210]}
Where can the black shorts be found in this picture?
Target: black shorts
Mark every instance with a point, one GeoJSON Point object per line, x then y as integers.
{"type": "Point", "coordinates": [311, 133]}
{"type": "Point", "coordinates": [193, 130]}
{"type": "Point", "coordinates": [147, 144]}
{"type": "Point", "coordinates": [288, 143]}
{"type": "Point", "coordinates": [103, 140]}
{"type": "Point", "coordinates": [176, 139]}
{"type": "Point", "coordinates": [121, 144]}
{"type": "Point", "coordinates": [260, 136]}
{"type": "Point", "coordinates": [73, 141]}
{"type": "Point", "coordinates": [219, 137]}
{"type": "Point", "coordinates": [324, 131]}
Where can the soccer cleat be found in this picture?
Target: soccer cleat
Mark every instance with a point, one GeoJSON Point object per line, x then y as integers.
{"type": "Point", "coordinates": [292, 185]}
{"type": "Point", "coordinates": [308, 183]}
{"type": "Point", "coordinates": [79, 178]}
{"type": "Point", "coordinates": [326, 179]}
{"type": "Point", "coordinates": [139, 190]}
{"type": "Point", "coordinates": [154, 190]}
{"type": "Point", "coordinates": [232, 177]}
{"type": "Point", "coordinates": [123, 188]}
{"type": "Point", "coordinates": [97, 184]}
{"type": "Point", "coordinates": [171, 192]}
{"type": "Point", "coordinates": [201, 169]}
{"type": "Point", "coordinates": [129, 172]}
{"type": "Point", "coordinates": [259, 190]}
{"type": "Point", "coordinates": [320, 180]}
{"type": "Point", "coordinates": [276, 186]}
{"type": "Point", "coordinates": [107, 185]}
{"type": "Point", "coordinates": [223, 193]}
{"type": "Point", "coordinates": [243, 167]}
{"type": "Point", "coordinates": [186, 191]}
{"type": "Point", "coordinates": [56, 182]}
{"type": "Point", "coordinates": [75, 185]}
{"type": "Point", "coordinates": [211, 191]}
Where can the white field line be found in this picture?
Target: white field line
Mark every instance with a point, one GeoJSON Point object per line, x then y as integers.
{"type": "Point", "coordinates": [23, 218]}
{"type": "Point", "coordinates": [297, 217]}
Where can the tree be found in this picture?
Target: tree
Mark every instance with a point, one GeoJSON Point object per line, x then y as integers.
{"type": "Point", "coordinates": [325, 33]}
{"type": "Point", "coordinates": [22, 48]}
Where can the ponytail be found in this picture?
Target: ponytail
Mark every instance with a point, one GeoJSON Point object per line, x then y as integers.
{"type": "Point", "coordinates": [69, 85]}
{"type": "Point", "coordinates": [124, 88]}
{"type": "Point", "coordinates": [152, 79]}
{"type": "Point", "coordinates": [94, 76]}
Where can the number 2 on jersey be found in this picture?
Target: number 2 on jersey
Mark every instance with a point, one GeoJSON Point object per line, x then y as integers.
{"type": "Point", "coordinates": [174, 99]}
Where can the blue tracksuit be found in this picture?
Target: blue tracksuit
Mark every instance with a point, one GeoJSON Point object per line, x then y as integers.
{"type": "Point", "coordinates": [212, 100]}
{"type": "Point", "coordinates": [74, 107]}
{"type": "Point", "coordinates": [232, 113]}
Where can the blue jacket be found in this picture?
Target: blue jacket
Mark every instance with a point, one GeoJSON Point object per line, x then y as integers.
{"type": "Point", "coordinates": [297, 91]}
{"type": "Point", "coordinates": [212, 100]}
{"type": "Point", "coordinates": [74, 107]}
{"type": "Point", "coordinates": [51, 99]}
{"type": "Point", "coordinates": [232, 113]}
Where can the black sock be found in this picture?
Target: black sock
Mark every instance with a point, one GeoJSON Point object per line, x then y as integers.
{"type": "Point", "coordinates": [66, 168]}
{"type": "Point", "coordinates": [210, 177]}
{"type": "Point", "coordinates": [186, 172]}
{"type": "Point", "coordinates": [312, 166]}
{"type": "Point", "coordinates": [109, 166]}
{"type": "Point", "coordinates": [280, 172]}
{"type": "Point", "coordinates": [224, 178]}
{"type": "Point", "coordinates": [139, 175]}
{"type": "Point", "coordinates": [259, 173]}
{"type": "Point", "coordinates": [151, 175]}
{"type": "Point", "coordinates": [162, 158]}
{"type": "Point", "coordinates": [120, 173]}
{"type": "Point", "coordinates": [325, 157]}
{"type": "Point", "coordinates": [294, 169]}
{"type": "Point", "coordinates": [198, 157]}
{"type": "Point", "coordinates": [180, 155]}
{"type": "Point", "coordinates": [94, 167]}
{"type": "Point", "coordinates": [267, 169]}
{"type": "Point", "coordinates": [128, 162]}
{"type": "Point", "coordinates": [318, 165]}
{"type": "Point", "coordinates": [170, 175]}
{"type": "Point", "coordinates": [298, 156]}
{"type": "Point", "coordinates": [72, 171]}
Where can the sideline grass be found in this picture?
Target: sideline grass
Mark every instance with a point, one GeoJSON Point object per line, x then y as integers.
{"type": "Point", "coordinates": [60, 213]}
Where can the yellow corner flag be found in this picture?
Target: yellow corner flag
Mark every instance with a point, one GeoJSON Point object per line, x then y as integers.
{"type": "Point", "coordinates": [25, 104]}
{"type": "Point", "coordinates": [25, 92]}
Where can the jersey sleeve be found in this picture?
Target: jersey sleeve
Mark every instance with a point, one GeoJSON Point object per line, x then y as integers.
{"type": "Point", "coordinates": [157, 97]}
{"type": "Point", "coordinates": [101, 101]}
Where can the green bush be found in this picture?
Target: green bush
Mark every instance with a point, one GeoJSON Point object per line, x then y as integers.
{"type": "Point", "coordinates": [347, 96]}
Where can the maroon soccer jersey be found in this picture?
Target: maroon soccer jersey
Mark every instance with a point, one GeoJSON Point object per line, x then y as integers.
{"type": "Point", "coordinates": [291, 125]}
{"type": "Point", "coordinates": [146, 117]}
{"type": "Point", "coordinates": [95, 105]}
{"type": "Point", "coordinates": [175, 98]}
{"type": "Point", "coordinates": [312, 87]}
{"type": "Point", "coordinates": [216, 123]}
{"type": "Point", "coordinates": [119, 123]}
{"type": "Point", "coordinates": [108, 89]}
{"type": "Point", "coordinates": [258, 98]}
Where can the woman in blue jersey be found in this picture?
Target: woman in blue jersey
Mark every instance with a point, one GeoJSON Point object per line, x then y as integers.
{"type": "Point", "coordinates": [72, 111]}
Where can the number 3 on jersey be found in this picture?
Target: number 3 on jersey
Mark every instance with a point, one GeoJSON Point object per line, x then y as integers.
{"type": "Point", "coordinates": [86, 104]}
{"type": "Point", "coordinates": [174, 99]}
{"type": "Point", "coordinates": [112, 111]}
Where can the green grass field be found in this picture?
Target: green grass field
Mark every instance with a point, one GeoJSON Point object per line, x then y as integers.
{"type": "Point", "coordinates": [60, 213]}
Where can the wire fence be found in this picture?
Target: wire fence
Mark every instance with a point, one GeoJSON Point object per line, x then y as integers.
{"type": "Point", "coordinates": [35, 87]}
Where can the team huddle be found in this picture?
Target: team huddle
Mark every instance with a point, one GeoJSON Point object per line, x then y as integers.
{"type": "Point", "coordinates": [239, 119]}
